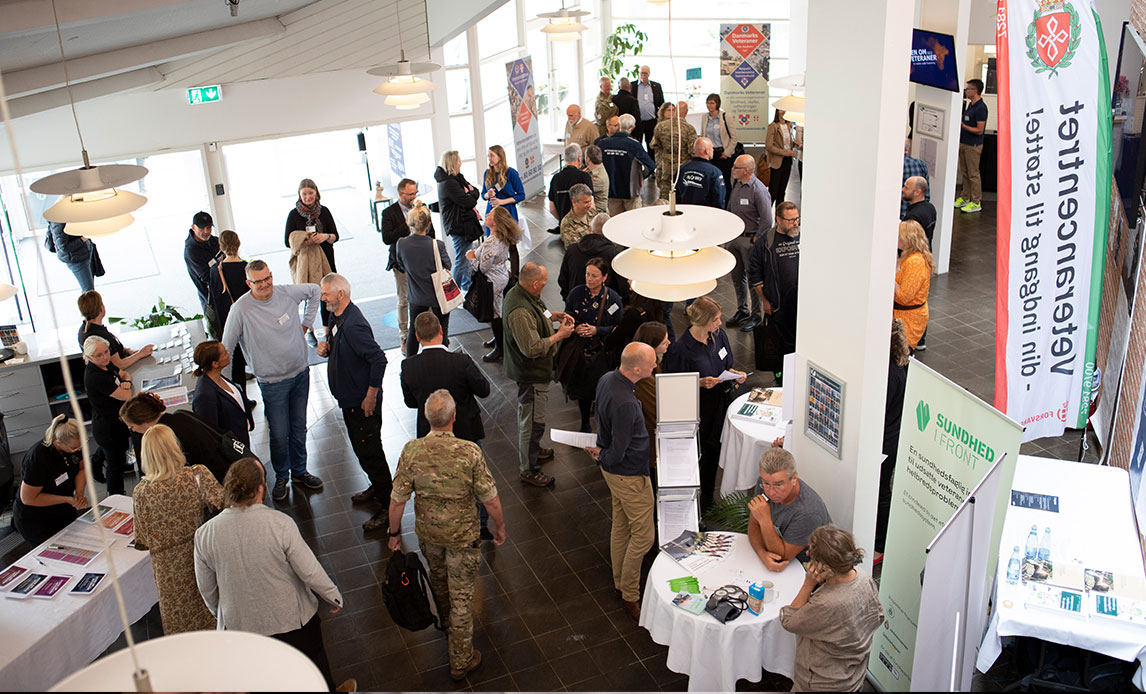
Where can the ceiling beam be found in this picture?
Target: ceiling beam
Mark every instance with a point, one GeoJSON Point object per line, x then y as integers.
{"type": "Point", "coordinates": [31, 15]}
{"type": "Point", "coordinates": [44, 101]}
{"type": "Point", "coordinates": [46, 77]}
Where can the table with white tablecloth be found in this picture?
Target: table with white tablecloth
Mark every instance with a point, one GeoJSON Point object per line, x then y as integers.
{"type": "Point", "coordinates": [742, 442]}
{"type": "Point", "coordinates": [1093, 528]}
{"type": "Point", "coordinates": [712, 654]}
{"type": "Point", "coordinates": [47, 640]}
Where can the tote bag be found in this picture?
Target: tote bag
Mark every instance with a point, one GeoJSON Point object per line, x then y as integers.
{"type": "Point", "coordinates": [445, 289]}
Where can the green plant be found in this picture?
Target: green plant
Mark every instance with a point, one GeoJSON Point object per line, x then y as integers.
{"type": "Point", "coordinates": [162, 313]}
{"type": "Point", "coordinates": [731, 512]}
{"type": "Point", "coordinates": [626, 40]}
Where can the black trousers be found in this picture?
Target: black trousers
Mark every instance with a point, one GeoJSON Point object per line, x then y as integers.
{"type": "Point", "coordinates": [779, 183]}
{"type": "Point", "coordinates": [366, 439]}
{"type": "Point", "coordinates": [308, 639]}
{"type": "Point", "coordinates": [415, 311]}
{"type": "Point", "coordinates": [113, 441]}
{"type": "Point", "coordinates": [883, 505]}
{"type": "Point", "coordinates": [239, 368]}
{"type": "Point", "coordinates": [725, 166]}
{"type": "Point", "coordinates": [644, 133]}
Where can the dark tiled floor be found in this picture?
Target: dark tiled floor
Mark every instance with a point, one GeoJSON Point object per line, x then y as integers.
{"type": "Point", "coordinates": [546, 615]}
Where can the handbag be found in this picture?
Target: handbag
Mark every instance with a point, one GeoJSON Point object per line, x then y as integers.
{"type": "Point", "coordinates": [445, 288]}
{"type": "Point", "coordinates": [739, 148]}
{"type": "Point", "coordinates": [479, 298]}
{"type": "Point", "coordinates": [96, 263]}
{"type": "Point", "coordinates": [209, 511]}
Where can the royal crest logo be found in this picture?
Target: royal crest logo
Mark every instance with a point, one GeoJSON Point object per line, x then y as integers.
{"type": "Point", "coordinates": [1053, 36]}
{"type": "Point", "coordinates": [922, 415]}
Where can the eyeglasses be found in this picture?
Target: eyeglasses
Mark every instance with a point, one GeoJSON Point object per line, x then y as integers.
{"type": "Point", "coordinates": [265, 280]}
{"type": "Point", "coordinates": [793, 220]}
{"type": "Point", "coordinates": [774, 485]}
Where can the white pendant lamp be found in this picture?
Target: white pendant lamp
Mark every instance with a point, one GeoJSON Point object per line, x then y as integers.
{"type": "Point", "coordinates": [102, 227]}
{"type": "Point", "coordinates": [403, 89]}
{"type": "Point", "coordinates": [7, 291]}
{"type": "Point", "coordinates": [794, 117]}
{"type": "Point", "coordinates": [94, 206]}
{"type": "Point", "coordinates": [793, 83]}
{"type": "Point", "coordinates": [790, 103]}
{"type": "Point", "coordinates": [673, 292]}
{"type": "Point", "coordinates": [658, 2]}
{"type": "Point", "coordinates": [564, 25]}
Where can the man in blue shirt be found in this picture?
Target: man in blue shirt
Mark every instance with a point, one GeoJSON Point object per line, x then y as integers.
{"type": "Point", "coordinates": [699, 182]}
{"type": "Point", "coordinates": [355, 367]}
{"type": "Point", "coordinates": [650, 98]}
{"type": "Point", "coordinates": [971, 147]}
{"type": "Point", "coordinates": [623, 454]}
{"type": "Point", "coordinates": [627, 164]}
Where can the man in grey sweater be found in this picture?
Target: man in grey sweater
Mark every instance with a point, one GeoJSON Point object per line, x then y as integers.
{"type": "Point", "coordinates": [266, 323]}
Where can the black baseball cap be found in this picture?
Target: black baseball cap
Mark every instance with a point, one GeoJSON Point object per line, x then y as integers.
{"type": "Point", "coordinates": [202, 220]}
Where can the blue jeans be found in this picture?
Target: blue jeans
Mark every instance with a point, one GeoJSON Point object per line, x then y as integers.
{"type": "Point", "coordinates": [461, 262]}
{"type": "Point", "coordinates": [83, 273]}
{"type": "Point", "coordinates": [284, 403]}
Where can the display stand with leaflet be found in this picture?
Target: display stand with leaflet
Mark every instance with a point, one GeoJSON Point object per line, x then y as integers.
{"type": "Point", "coordinates": [678, 470]}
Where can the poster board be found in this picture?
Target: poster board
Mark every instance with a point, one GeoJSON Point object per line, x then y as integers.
{"type": "Point", "coordinates": [526, 126]}
{"type": "Point", "coordinates": [745, 55]}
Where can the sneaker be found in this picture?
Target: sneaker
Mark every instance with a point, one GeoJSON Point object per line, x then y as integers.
{"type": "Point", "coordinates": [971, 207]}
{"type": "Point", "coordinates": [363, 497]}
{"type": "Point", "coordinates": [475, 661]}
{"type": "Point", "coordinates": [378, 521]}
{"type": "Point", "coordinates": [959, 202]}
{"type": "Point", "coordinates": [922, 346]}
{"type": "Point", "coordinates": [307, 480]}
{"type": "Point", "coordinates": [545, 455]}
{"type": "Point", "coordinates": [537, 479]}
{"type": "Point", "coordinates": [279, 493]}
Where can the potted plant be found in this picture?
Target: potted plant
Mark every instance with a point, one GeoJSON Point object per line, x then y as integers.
{"type": "Point", "coordinates": [162, 313]}
{"type": "Point", "coordinates": [626, 40]}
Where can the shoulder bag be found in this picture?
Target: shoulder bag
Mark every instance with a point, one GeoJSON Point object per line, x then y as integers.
{"type": "Point", "coordinates": [479, 298]}
{"type": "Point", "coordinates": [739, 148]}
{"type": "Point", "coordinates": [445, 289]}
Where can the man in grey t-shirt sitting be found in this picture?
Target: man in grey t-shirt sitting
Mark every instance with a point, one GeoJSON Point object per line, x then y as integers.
{"type": "Point", "coordinates": [784, 511]}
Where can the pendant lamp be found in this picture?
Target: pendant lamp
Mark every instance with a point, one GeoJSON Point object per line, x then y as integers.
{"type": "Point", "coordinates": [790, 103]}
{"type": "Point", "coordinates": [403, 89]}
{"type": "Point", "coordinates": [7, 291]}
{"type": "Point", "coordinates": [564, 25]}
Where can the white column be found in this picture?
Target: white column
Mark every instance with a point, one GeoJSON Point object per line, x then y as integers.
{"type": "Point", "coordinates": [476, 98]}
{"type": "Point", "coordinates": [850, 214]}
{"type": "Point", "coordinates": [797, 37]}
{"type": "Point", "coordinates": [439, 103]}
{"type": "Point", "coordinates": [215, 170]}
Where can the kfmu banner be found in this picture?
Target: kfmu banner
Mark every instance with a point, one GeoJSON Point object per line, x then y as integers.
{"type": "Point", "coordinates": [1054, 144]}
{"type": "Point", "coordinates": [745, 53]}
{"type": "Point", "coordinates": [526, 126]}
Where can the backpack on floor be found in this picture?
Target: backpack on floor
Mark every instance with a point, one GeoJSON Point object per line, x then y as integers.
{"type": "Point", "coordinates": [407, 593]}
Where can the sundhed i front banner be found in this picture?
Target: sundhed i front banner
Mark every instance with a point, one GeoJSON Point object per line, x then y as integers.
{"type": "Point", "coordinates": [1054, 204]}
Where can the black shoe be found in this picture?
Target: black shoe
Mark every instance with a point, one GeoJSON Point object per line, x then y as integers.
{"type": "Point", "coordinates": [97, 473]}
{"type": "Point", "coordinates": [486, 534]}
{"type": "Point", "coordinates": [378, 521]}
{"type": "Point", "coordinates": [279, 493]}
{"type": "Point", "coordinates": [537, 479]}
{"type": "Point", "coordinates": [922, 346]}
{"type": "Point", "coordinates": [363, 497]}
{"type": "Point", "coordinates": [750, 325]}
{"type": "Point", "coordinates": [490, 342]}
{"type": "Point", "coordinates": [493, 355]}
{"type": "Point", "coordinates": [554, 230]}
{"type": "Point", "coordinates": [545, 455]}
{"type": "Point", "coordinates": [307, 480]}
{"type": "Point", "coordinates": [736, 319]}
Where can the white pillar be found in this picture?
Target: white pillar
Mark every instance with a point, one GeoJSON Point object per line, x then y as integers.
{"type": "Point", "coordinates": [797, 37]}
{"type": "Point", "coordinates": [440, 115]}
{"type": "Point", "coordinates": [476, 98]}
{"type": "Point", "coordinates": [218, 188]}
{"type": "Point", "coordinates": [852, 169]}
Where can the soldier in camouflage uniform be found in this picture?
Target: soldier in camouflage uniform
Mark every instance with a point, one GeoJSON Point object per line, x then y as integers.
{"type": "Point", "coordinates": [670, 148]}
{"type": "Point", "coordinates": [604, 109]}
{"type": "Point", "coordinates": [446, 473]}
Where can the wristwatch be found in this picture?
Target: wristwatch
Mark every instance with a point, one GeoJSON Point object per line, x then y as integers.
{"type": "Point", "coordinates": [395, 534]}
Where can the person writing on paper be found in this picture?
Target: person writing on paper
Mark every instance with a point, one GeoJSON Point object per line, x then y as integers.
{"type": "Point", "coordinates": [52, 483]}
{"type": "Point", "coordinates": [94, 312]}
{"type": "Point", "coordinates": [623, 454]}
{"type": "Point", "coordinates": [783, 512]}
{"type": "Point", "coordinates": [834, 616]}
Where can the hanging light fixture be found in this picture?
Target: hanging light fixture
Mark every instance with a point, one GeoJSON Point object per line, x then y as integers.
{"type": "Point", "coordinates": [790, 103]}
{"type": "Point", "coordinates": [91, 193]}
{"type": "Point", "coordinates": [403, 89]}
{"type": "Point", "coordinates": [658, 2]}
{"type": "Point", "coordinates": [564, 25]}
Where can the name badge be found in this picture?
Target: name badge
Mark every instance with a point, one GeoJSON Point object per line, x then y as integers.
{"type": "Point", "coordinates": [548, 314]}
{"type": "Point", "coordinates": [722, 353]}
{"type": "Point", "coordinates": [743, 201]}
{"type": "Point", "coordinates": [284, 318]}
{"type": "Point", "coordinates": [61, 479]}
{"type": "Point", "coordinates": [334, 330]}
{"type": "Point", "coordinates": [612, 309]}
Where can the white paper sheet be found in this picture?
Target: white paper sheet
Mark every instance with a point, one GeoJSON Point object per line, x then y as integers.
{"type": "Point", "coordinates": [677, 464]}
{"type": "Point", "coordinates": [676, 515]}
{"type": "Point", "coordinates": [730, 376]}
{"type": "Point", "coordinates": [576, 439]}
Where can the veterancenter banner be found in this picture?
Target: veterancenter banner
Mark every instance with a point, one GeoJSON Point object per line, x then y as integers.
{"type": "Point", "coordinates": [1054, 145]}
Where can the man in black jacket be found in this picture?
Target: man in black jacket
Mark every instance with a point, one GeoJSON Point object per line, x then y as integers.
{"type": "Point", "coordinates": [625, 101]}
{"type": "Point", "coordinates": [436, 367]}
{"type": "Point", "coordinates": [394, 227]}
{"type": "Point", "coordinates": [201, 253]}
{"type": "Point", "coordinates": [355, 367]}
{"type": "Point", "coordinates": [570, 175]}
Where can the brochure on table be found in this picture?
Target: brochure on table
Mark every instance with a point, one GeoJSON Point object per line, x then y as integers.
{"type": "Point", "coordinates": [678, 454]}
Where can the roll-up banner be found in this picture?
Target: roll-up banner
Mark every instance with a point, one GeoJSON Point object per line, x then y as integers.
{"type": "Point", "coordinates": [1053, 209]}
{"type": "Point", "coordinates": [745, 52]}
{"type": "Point", "coordinates": [526, 126]}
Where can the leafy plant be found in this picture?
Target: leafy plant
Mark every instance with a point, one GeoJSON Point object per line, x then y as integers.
{"type": "Point", "coordinates": [626, 40]}
{"type": "Point", "coordinates": [730, 512]}
{"type": "Point", "coordinates": [162, 313]}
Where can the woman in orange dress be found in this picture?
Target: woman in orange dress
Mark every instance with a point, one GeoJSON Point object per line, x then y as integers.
{"type": "Point", "coordinates": [913, 280]}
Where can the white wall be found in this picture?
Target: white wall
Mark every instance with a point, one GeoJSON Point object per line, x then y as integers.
{"type": "Point", "coordinates": [1112, 13]}
{"type": "Point", "coordinates": [448, 18]}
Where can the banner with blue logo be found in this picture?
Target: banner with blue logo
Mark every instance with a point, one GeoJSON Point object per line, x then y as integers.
{"type": "Point", "coordinates": [745, 51]}
{"type": "Point", "coordinates": [526, 126]}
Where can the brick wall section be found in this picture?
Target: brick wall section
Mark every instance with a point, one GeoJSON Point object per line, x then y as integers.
{"type": "Point", "coordinates": [1138, 16]}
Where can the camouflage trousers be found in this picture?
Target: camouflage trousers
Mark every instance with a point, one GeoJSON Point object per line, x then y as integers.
{"type": "Point", "coordinates": [453, 573]}
{"type": "Point", "coordinates": [664, 174]}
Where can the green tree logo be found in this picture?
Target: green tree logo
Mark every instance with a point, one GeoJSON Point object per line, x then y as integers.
{"type": "Point", "coordinates": [922, 415]}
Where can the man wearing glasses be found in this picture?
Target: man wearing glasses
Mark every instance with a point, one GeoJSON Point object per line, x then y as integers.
{"type": "Point", "coordinates": [784, 510]}
{"type": "Point", "coordinates": [774, 272]}
{"type": "Point", "coordinates": [265, 321]}
{"type": "Point", "coordinates": [750, 201]}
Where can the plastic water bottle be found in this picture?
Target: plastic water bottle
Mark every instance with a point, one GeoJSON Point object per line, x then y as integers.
{"type": "Point", "coordinates": [1045, 546]}
{"type": "Point", "coordinates": [1013, 567]}
{"type": "Point", "coordinates": [1032, 551]}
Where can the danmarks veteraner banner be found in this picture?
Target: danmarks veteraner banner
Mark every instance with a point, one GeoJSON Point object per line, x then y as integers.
{"type": "Point", "coordinates": [1054, 202]}
{"type": "Point", "coordinates": [745, 52]}
{"type": "Point", "coordinates": [526, 127]}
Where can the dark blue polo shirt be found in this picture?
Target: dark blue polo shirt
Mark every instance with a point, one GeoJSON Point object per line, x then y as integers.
{"type": "Point", "coordinates": [356, 362]}
{"type": "Point", "coordinates": [621, 431]}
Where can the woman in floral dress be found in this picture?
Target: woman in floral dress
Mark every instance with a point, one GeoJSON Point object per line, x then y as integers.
{"type": "Point", "coordinates": [490, 259]}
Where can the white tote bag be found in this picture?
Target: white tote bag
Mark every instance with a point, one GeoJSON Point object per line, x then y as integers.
{"type": "Point", "coordinates": [445, 289]}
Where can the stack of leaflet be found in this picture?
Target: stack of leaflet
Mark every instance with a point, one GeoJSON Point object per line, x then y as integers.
{"type": "Point", "coordinates": [678, 469]}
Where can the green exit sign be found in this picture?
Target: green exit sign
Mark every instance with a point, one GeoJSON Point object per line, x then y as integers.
{"type": "Point", "coordinates": [204, 95]}
{"type": "Point", "coordinates": [692, 73]}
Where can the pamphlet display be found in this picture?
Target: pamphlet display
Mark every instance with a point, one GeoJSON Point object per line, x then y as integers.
{"type": "Point", "coordinates": [678, 454]}
{"type": "Point", "coordinates": [824, 423]}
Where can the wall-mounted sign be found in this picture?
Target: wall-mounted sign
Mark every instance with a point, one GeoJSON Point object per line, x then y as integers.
{"type": "Point", "coordinates": [204, 95]}
{"type": "Point", "coordinates": [692, 73]}
{"type": "Point", "coordinates": [824, 423]}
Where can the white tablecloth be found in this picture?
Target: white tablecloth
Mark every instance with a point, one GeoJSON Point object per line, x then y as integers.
{"type": "Point", "coordinates": [741, 444]}
{"type": "Point", "coordinates": [1094, 529]}
{"type": "Point", "coordinates": [47, 640]}
{"type": "Point", "coordinates": [712, 654]}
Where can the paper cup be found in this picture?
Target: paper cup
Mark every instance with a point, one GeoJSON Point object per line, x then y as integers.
{"type": "Point", "coordinates": [769, 591]}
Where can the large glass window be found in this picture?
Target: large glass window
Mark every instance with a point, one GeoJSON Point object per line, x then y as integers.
{"type": "Point", "coordinates": [497, 33]}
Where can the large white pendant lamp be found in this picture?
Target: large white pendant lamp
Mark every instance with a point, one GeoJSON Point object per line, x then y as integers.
{"type": "Point", "coordinates": [790, 103]}
{"type": "Point", "coordinates": [403, 89]}
{"type": "Point", "coordinates": [564, 25]}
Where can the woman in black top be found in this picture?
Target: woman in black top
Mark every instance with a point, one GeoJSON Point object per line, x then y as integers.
{"type": "Point", "coordinates": [217, 401]}
{"type": "Point", "coordinates": [893, 414]}
{"type": "Point", "coordinates": [200, 441]}
{"type": "Point", "coordinates": [52, 483]}
{"type": "Point", "coordinates": [226, 283]}
{"type": "Point", "coordinates": [416, 256]}
{"type": "Point", "coordinates": [307, 213]}
{"type": "Point", "coordinates": [597, 310]}
{"type": "Point", "coordinates": [92, 309]}
{"type": "Point", "coordinates": [107, 387]}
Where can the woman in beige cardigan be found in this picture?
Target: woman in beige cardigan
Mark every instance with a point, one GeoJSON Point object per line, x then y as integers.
{"type": "Point", "coordinates": [778, 147]}
{"type": "Point", "coordinates": [716, 126]}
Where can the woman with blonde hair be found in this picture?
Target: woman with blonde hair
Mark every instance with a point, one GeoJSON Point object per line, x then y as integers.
{"type": "Point", "coordinates": [415, 253]}
{"type": "Point", "coordinates": [107, 388]}
{"type": "Point", "coordinates": [501, 185]}
{"type": "Point", "coordinates": [310, 236]}
{"type": "Point", "coordinates": [457, 201]}
{"type": "Point", "coordinates": [170, 503]}
{"type": "Point", "coordinates": [51, 483]}
{"type": "Point", "coordinates": [705, 348]}
{"type": "Point", "coordinates": [913, 274]}
{"type": "Point", "coordinates": [834, 616]}
{"type": "Point", "coordinates": [491, 258]}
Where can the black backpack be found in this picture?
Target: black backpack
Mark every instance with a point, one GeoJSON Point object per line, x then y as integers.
{"type": "Point", "coordinates": [407, 593]}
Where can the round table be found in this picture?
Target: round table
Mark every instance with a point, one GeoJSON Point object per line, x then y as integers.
{"type": "Point", "coordinates": [712, 654]}
{"type": "Point", "coordinates": [741, 444]}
